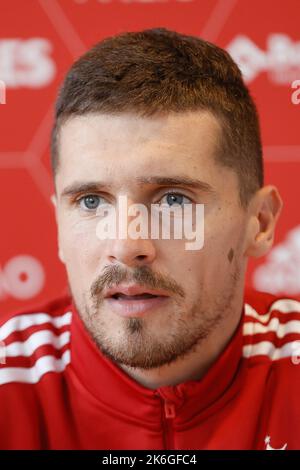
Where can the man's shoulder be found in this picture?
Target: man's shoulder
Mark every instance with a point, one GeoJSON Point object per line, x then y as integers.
{"type": "Point", "coordinates": [266, 301]}
{"type": "Point", "coordinates": [53, 307]}
{"type": "Point", "coordinates": [35, 341]}
{"type": "Point", "coordinates": [271, 328]}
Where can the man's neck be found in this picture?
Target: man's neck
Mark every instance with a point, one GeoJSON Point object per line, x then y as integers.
{"type": "Point", "coordinates": [194, 365]}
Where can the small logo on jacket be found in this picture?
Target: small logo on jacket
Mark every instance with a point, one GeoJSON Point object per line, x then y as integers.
{"type": "Point", "coordinates": [268, 447]}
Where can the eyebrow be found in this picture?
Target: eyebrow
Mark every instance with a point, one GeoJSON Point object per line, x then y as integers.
{"type": "Point", "coordinates": [94, 186]}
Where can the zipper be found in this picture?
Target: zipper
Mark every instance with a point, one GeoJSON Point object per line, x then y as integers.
{"type": "Point", "coordinates": [168, 414]}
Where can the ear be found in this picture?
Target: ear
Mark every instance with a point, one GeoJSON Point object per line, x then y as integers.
{"type": "Point", "coordinates": [60, 252]}
{"type": "Point", "coordinates": [264, 209]}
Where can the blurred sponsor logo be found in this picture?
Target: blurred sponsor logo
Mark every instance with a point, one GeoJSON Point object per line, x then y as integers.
{"type": "Point", "coordinates": [280, 60]}
{"type": "Point", "coordinates": [22, 277]}
{"type": "Point", "coordinates": [281, 271]}
{"type": "Point", "coordinates": [26, 62]}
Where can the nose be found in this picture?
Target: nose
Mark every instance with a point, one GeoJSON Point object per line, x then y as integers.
{"type": "Point", "coordinates": [132, 252]}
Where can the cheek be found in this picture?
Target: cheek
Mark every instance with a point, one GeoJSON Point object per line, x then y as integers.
{"type": "Point", "coordinates": [223, 231]}
{"type": "Point", "coordinates": [221, 250]}
{"type": "Point", "coordinates": [79, 242]}
{"type": "Point", "coordinates": [222, 247]}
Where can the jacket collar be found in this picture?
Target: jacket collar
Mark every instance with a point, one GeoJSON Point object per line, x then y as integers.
{"type": "Point", "coordinates": [110, 385]}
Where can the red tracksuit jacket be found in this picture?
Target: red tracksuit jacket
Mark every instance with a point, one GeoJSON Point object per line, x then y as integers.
{"type": "Point", "coordinates": [57, 390]}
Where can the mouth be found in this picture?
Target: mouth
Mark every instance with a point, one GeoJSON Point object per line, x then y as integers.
{"type": "Point", "coordinates": [120, 296]}
{"type": "Point", "coordinates": [133, 302]}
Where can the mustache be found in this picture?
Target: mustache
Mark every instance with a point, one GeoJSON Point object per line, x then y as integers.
{"type": "Point", "coordinates": [114, 275]}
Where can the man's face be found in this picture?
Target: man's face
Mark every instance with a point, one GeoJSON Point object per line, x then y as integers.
{"type": "Point", "coordinates": [144, 159]}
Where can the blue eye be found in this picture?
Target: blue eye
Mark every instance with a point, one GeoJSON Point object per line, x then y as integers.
{"type": "Point", "coordinates": [90, 202]}
{"type": "Point", "coordinates": [177, 199]}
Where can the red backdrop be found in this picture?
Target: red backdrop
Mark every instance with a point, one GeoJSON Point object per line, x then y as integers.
{"type": "Point", "coordinates": [39, 39]}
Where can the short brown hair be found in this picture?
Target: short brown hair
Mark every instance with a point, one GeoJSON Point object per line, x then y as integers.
{"type": "Point", "coordinates": [158, 71]}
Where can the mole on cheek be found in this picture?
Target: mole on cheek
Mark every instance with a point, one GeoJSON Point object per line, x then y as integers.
{"type": "Point", "coordinates": [230, 255]}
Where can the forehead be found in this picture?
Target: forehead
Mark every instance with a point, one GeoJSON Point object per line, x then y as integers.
{"type": "Point", "coordinates": [127, 146]}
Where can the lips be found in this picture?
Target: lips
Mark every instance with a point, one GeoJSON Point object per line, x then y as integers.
{"type": "Point", "coordinates": [120, 296]}
{"type": "Point", "coordinates": [134, 301]}
{"type": "Point", "coordinates": [133, 292]}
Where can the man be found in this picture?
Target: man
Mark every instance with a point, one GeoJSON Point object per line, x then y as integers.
{"type": "Point", "coordinates": [158, 346]}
